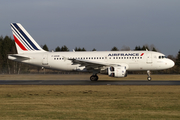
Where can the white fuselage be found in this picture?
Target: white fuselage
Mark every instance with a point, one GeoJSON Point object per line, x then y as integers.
{"type": "Point", "coordinates": [132, 60]}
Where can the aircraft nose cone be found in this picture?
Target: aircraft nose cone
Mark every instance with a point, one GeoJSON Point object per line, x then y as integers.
{"type": "Point", "coordinates": [171, 63]}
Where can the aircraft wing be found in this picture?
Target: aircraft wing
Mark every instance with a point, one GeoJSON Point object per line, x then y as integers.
{"type": "Point", "coordinates": [88, 64]}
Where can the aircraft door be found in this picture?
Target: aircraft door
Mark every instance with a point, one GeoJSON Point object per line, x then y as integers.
{"type": "Point", "coordinates": [45, 59]}
{"type": "Point", "coordinates": [149, 58]}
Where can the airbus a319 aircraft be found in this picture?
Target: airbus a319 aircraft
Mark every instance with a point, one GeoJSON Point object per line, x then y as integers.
{"type": "Point", "coordinates": [112, 63]}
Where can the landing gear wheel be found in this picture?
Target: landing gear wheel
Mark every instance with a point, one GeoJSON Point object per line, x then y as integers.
{"type": "Point", "coordinates": [94, 78]}
{"type": "Point", "coordinates": [149, 78]}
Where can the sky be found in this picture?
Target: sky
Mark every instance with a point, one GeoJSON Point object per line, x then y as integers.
{"type": "Point", "coordinates": [99, 24]}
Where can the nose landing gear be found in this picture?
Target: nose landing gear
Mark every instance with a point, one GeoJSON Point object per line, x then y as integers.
{"type": "Point", "coordinates": [149, 75]}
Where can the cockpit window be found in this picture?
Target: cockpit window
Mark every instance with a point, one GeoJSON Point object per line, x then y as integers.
{"type": "Point", "coordinates": [162, 57]}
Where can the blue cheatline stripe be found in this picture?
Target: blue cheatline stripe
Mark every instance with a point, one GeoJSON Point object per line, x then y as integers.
{"type": "Point", "coordinates": [24, 35]}
{"type": "Point", "coordinates": [24, 41]}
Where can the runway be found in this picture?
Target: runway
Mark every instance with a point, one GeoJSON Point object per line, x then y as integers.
{"type": "Point", "coordinates": [87, 82]}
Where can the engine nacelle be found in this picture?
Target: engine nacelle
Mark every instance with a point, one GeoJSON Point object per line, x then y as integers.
{"type": "Point", "coordinates": [117, 71]}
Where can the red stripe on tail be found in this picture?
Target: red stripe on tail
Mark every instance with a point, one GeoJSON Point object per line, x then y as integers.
{"type": "Point", "coordinates": [19, 43]}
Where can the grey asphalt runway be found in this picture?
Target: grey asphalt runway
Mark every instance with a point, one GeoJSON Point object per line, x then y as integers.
{"type": "Point", "coordinates": [86, 82]}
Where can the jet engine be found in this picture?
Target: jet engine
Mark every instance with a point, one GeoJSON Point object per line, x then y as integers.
{"type": "Point", "coordinates": [117, 71]}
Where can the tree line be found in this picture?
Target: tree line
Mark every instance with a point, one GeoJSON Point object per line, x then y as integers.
{"type": "Point", "coordinates": [7, 46]}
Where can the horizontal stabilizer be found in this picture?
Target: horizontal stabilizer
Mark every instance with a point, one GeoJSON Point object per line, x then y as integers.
{"type": "Point", "coordinates": [17, 56]}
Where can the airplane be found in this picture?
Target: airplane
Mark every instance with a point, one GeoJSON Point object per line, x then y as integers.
{"type": "Point", "coordinates": [112, 63]}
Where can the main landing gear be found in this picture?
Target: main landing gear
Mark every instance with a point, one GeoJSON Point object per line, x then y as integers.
{"type": "Point", "coordinates": [149, 77]}
{"type": "Point", "coordinates": [94, 77]}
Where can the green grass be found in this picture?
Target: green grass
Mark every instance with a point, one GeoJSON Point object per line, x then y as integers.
{"type": "Point", "coordinates": [40, 102]}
